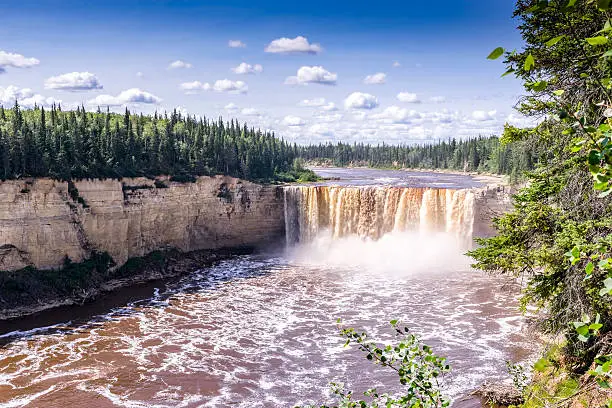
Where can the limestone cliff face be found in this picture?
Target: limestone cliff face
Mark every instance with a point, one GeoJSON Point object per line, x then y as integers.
{"type": "Point", "coordinates": [490, 202]}
{"type": "Point", "coordinates": [42, 221]}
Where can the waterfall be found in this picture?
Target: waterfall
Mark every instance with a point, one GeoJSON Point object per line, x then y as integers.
{"type": "Point", "coordinates": [371, 212]}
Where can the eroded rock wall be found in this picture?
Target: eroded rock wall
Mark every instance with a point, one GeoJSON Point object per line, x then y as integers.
{"type": "Point", "coordinates": [42, 221]}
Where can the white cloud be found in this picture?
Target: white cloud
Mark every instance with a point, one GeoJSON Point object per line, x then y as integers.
{"type": "Point", "coordinates": [521, 121]}
{"type": "Point", "coordinates": [221, 85]}
{"type": "Point", "coordinates": [179, 64]}
{"type": "Point", "coordinates": [482, 116]}
{"type": "Point", "coordinates": [396, 64]}
{"type": "Point", "coordinates": [192, 87]}
{"type": "Point", "coordinates": [408, 97]}
{"type": "Point", "coordinates": [375, 79]}
{"type": "Point", "coordinates": [315, 102]}
{"type": "Point", "coordinates": [395, 114]}
{"type": "Point", "coordinates": [139, 74]}
{"type": "Point", "coordinates": [293, 45]}
{"type": "Point", "coordinates": [25, 96]}
{"type": "Point", "coordinates": [74, 81]}
{"type": "Point", "coordinates": [12, 60]}
{"type": "Point", "coordinates": [245, 68]}
{"type": "Point", "coordinates": [250, 112]}
{"type": "Point", "coordinates": [226, 85]}
{"type": "Point", "coordinates": [360, 100]}
{"type": "Point", "coordinates": [321, 129]}
{"type": "Point", "coordinates": [236, 44]}
{"type": "Point", "coordinates": [312, 75]}
{"type": "Point", "coordinates": [419, 132]}
{"type": "Point", "coordinates": [133, 95]}
{"type": "Point", "coordinates": [330, 107]}
{"type": "Point", "coordinates": [437, 99]}
{"type": "Point", "coordinates": [291, 120]}
{"type": "Point", "coordinates": [231, 107]}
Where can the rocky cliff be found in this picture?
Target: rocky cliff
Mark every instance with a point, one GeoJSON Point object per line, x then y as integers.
{"type": "Point", "coordinates": [490, 202]}
{"type": "Point", "coordinates": [42, 221]}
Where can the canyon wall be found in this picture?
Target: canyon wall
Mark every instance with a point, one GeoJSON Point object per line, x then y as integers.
{"type": "Point", "coordinates": [490, 202]}
{"type": "Point", "coordinates": [42, 220]}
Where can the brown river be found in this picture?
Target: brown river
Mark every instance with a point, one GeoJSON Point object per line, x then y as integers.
{"type": "Point", "coordinates": [260, 330]}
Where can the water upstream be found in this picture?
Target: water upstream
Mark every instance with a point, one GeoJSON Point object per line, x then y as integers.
{"type": "Point", "coordinates": [260, 330]}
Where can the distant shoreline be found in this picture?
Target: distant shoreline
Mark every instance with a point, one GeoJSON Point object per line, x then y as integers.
{"type": "Point", "coordinates": [488, 179]}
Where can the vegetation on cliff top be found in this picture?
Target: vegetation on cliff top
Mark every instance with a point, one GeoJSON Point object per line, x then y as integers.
{"type": "Point", "coordinates": [79, 144]}
{"type": "Point", "coordinates": [482, 154]}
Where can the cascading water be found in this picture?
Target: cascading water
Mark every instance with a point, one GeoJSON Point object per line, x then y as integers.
{"type": "Point", "coordinates": [372, 212]}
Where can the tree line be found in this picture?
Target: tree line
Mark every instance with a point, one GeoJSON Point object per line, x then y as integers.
{"type": "Point", "coordinates": [483, 154]}
{"type": "Point", "coordinates": [80, 144]}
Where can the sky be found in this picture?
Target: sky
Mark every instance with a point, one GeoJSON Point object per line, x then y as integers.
{"type": "Point", "coordinates": [398, 72]}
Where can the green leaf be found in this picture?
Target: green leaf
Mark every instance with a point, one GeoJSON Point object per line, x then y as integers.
{"type": "Point", "coordinates": [599, 40]}
{"type": "Point", "coordinates": [393, 322]}
{"type": "Point", "coordinates": [589, 268]}
{"type": "Point", "coordinates": [541, 364]}
{"type": "Point", "coordinates": [496, 53]}
{"type": "Point", "coordinates": [595, 326]}
{"type": "Point", "coordinates": [508, 72]}
{"type": "Point", "coordinates": [559, 92]}
{"type": "Point", "coordinates": [603, 4]}
{"type": "Point", "coordinates": [583, 330]}
{"type": "Point", "coordinates": [529, 63]}
{"type": "Point", "coordinates": [553, 41]}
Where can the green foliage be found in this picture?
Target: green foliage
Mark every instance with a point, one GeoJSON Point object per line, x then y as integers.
{"type": "Point", "coordinates": [484, 154]}
{"type": "Point", "coordinates": [78, 144]}
{"type": "Point", "coordinates": [415, 364]}
{"type": "Point", "coordinates": [559, 237]}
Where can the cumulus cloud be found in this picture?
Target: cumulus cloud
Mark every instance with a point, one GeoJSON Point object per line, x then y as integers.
{"type": "Point", "coordinates": [314, 102]}
{"type": "Point", "coordinates": [518, 120]}
{"type": "Point", "coordinates": [12, 60]}
{"type": "Point", "coordinates": [231, 107]}
{"type": "Point", "coordinates": [360, 100]}
{"type": "Point", "coordinates": [408, 97]}
{"type": "Point", "coordinates": [139, 74]}
{"type": "Point", "coordinates": [437, 99]}
{"type": "Point", "coordinates": [482, 116]}
{"type": "Point", "coordinates": [312, 75]}
{"type": "Point", "coordinates": [330, 107]}
{"type": "Point", "coordinates": [236, 44]}
{"type": "Point", "coordinates": [396, 64]}
{"type": "Point", "coordinates": [321, 129]}
{"type": "Point", "coordinates": [250, 112]}
{"type": "Point", "coordinates": [179, 64]}
{"type": "Point", "coordinates": [226, 85]}
{"type": "Point", "coordinates": [133, 95]}
{"type": "Point", "coordinates": [25, 96]}
{"type": "Point", "coordinates": [297, 45]}
{"type": "Point", "coordinates": [291, 120]}
{"type": "Point", "coordinates": [395, 114]}
{"type": "Point", "coordinates": [221, 85]}
{"type": "Point", "coordinates": [245, 68]}
{"type": "Point", "coordinates": [194, 86]}
{"type": "Point", "coordinates": [375, 79]}
{"type": "Point", "coordinates": [74, 81]}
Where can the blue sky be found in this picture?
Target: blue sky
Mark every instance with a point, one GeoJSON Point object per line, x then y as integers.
{"type": "Point", "coordinates": [304, 64]}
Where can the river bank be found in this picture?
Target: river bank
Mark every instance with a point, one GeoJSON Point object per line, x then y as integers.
{"type": "Point", "coordinates": [28, 291]}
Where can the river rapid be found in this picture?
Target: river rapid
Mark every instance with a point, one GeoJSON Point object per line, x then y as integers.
{"type": "Point", "coordinates": [260, 330]}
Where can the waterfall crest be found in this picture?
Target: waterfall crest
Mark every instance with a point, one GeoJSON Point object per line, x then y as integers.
{"type": "Point", "coordinates": [371, 212]}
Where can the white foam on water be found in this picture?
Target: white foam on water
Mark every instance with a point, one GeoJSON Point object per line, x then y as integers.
{"type": "Point", "coordinates": [264, 331]}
